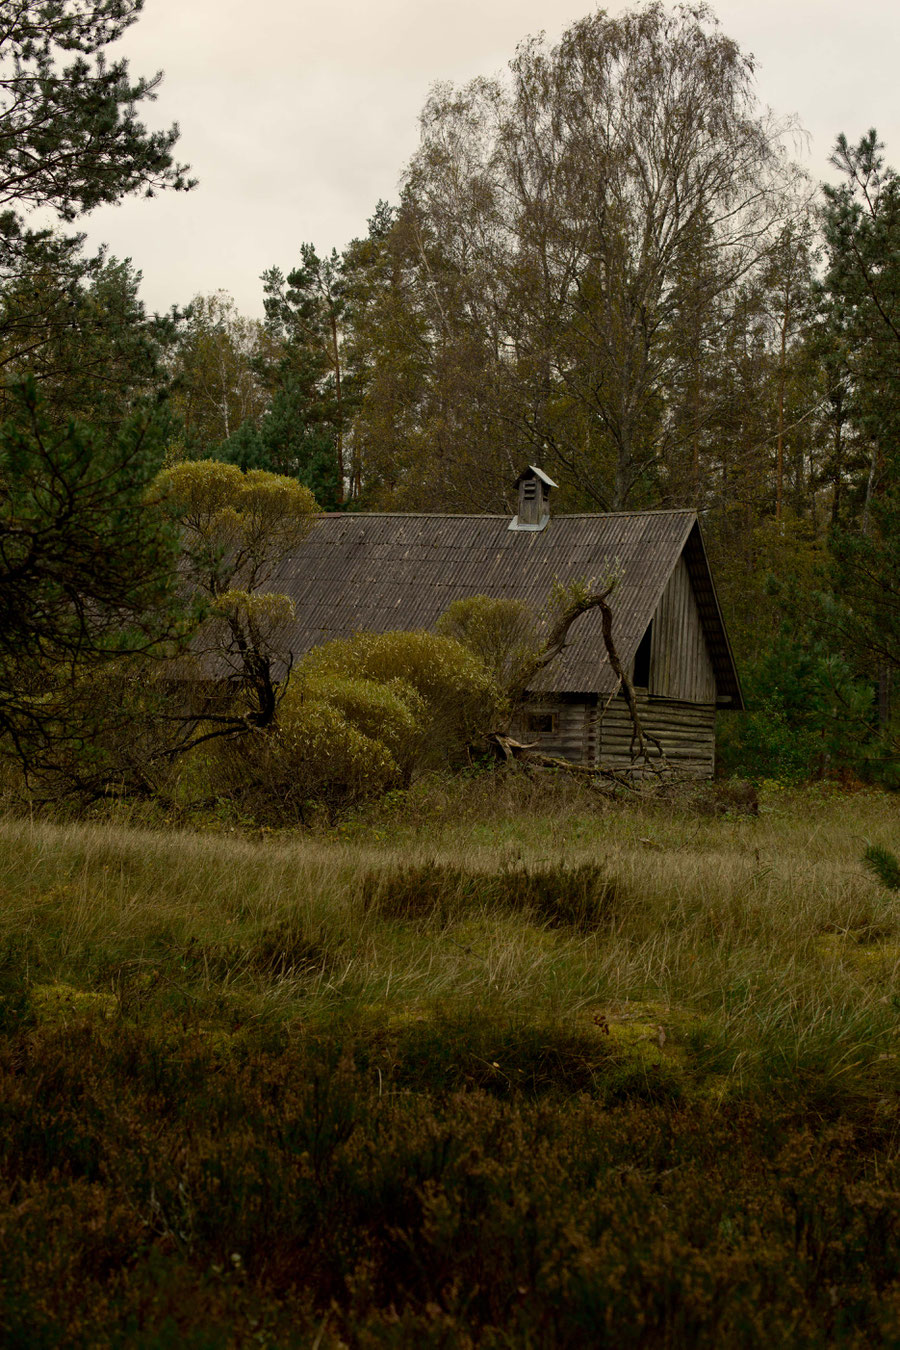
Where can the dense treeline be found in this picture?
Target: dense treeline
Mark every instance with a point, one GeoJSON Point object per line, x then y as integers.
{"type": "Point", "coordinates": [603, 263]}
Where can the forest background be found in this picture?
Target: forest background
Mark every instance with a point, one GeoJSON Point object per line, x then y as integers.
{"type": "Point", "coordinates": [604, 263]}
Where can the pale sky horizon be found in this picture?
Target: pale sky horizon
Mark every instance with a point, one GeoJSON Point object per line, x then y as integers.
{"type": "Point", "coordinates": [298, 123]}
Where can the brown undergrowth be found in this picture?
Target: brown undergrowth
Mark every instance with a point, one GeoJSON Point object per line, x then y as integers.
{"type": "Point", "coordinates": [161, 1188]}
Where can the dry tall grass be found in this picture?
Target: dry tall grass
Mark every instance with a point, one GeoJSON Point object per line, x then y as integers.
{"type": "Point", "coordinates": [751, 949]}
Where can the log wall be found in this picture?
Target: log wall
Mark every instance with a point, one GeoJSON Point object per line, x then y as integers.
{"type": "Point", "coordinates": [575, 737]}
{"type": "Point", "coordinates": [591, 733]}
{"type": "Point", "coordinates": [686, 731]}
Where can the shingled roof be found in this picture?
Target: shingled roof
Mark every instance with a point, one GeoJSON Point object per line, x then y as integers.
{"type": "Point", "coordinates": [374, 573]}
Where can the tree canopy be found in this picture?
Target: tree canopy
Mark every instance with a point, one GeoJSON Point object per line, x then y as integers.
{"type": "Point", "coordinates": [583, 227]}
{"type": "Point", "coordinates": [86, 572]}
{"type": "Point", "coordinates": [862, 292]}
{"type": "Point", "coordinates": [71, 137]}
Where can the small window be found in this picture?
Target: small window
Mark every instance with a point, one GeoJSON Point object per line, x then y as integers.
{"type": "Point", "coordinates": [641, 677]}
{"type": "Point", "coordinates": [543, 723]}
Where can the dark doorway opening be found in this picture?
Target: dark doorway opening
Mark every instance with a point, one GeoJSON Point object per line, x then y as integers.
{"type": "Point", "coordinates": [641, 677]}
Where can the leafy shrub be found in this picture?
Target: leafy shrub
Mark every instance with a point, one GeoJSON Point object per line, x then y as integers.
{"type": "Point", "coordinates": [315, 760]}
{"type": "Point", "coordinates": [359, 716]}
{"type": "Point", "coordinates": [504, 635]}
{"type": "Point", "coordinates": [236, 525]}
{"type": "Point", "coordinates": [391, 713]}
{"type": "Point", "coordinates": [459, 696]}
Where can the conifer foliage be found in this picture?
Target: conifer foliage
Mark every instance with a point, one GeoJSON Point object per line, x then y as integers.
{"type": "Point", "coordinates": [71, 137]}
{"type": "Point", "coordinates": [86, 573]}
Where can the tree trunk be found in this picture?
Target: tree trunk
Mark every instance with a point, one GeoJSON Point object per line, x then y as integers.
{"type": "Point", "coordinates": [336, 360]}
{"type": "Point", "coordinates": [779, 469]}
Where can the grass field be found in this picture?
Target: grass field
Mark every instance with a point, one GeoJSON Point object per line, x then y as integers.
{"type": "Point", "coordinates": [506, 1065]}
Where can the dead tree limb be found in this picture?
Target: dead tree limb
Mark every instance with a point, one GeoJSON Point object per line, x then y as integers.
{"type": "Point", "coordinates": [639, 736]}
{"type": "Point", "coordinates": [578, 599]}
{"type": "Point", "coordinates": [604, 779]}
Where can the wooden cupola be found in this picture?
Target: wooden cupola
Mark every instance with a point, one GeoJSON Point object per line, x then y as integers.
{"type": "Point", "coordinates": [534, 488]}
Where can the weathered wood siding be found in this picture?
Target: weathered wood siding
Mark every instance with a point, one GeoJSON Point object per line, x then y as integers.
{"type": "Point", "coordinates": [686, 731]}
{"type": "Point", "coordinates": [678, 706]}
{"type": "Point", "coordinates": [575, 737]}
{"type": "Point", "coordinates": [591, 733]}
{"type": "Point", "coordinates": [680, 667]}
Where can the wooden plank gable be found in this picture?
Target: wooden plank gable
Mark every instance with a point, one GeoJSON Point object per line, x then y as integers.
{"type": "Point", "coordinates": [680, 664]}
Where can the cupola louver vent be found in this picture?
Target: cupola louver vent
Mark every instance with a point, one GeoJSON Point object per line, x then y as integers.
{"type": "Point", "coordinates": [534, 487]}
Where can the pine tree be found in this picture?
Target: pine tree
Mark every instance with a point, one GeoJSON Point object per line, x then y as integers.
{"type": "Point", "coordinates": [86, 573]}
{"type": "Point", "coordinates": [72, 139]}
{"type": "Point", "coordinates": [862, 295]}
{"type": "Point", "coordinates": [305, 313]}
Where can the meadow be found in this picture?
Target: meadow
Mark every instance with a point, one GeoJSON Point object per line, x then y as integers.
{"type": "Point", "coordinates": [506, 1063]}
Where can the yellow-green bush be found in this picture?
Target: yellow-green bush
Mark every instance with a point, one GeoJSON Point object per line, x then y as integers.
{"type": "Point", "coordinates": [359, 716]}
{"type": "Point", "coordinates": [392, 713]}
{"type": "Point", "coordinates": [460, 697]}
{"type": "Point", "coordinates": [316, 758]}
{"type": "Point", "coordinates": [504, 634]}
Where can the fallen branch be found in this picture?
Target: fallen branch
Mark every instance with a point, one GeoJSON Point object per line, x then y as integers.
{"type": "Point", "coordinates": [621, 778]}
{"type": "Point", "coordinates": [639, 736]}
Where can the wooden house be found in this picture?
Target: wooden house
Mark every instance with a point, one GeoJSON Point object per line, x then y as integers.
{"type": "Point", "coordinates": [375, 573]}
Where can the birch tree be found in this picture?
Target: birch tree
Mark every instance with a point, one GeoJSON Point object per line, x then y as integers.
{"type": "Point", "coordinates": [581, 220]}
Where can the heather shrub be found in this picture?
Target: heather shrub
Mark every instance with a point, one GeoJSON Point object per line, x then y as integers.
{"type": "Point", "coordinates": [430, 892]}
{"type": "Point", "coordinates": [284, 950]}
{"type": "Point", "coordinates": [446, 1089]}
{"type": "Point", "coordinates": [159, 1187]}
{"type": "Point", "coordinates": [583, 898]}
{"type": "Point", "coordinates": [15, 985]}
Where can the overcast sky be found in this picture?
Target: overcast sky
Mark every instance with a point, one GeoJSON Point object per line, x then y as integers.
{"type": "Point", "coordinates": [297, 115]}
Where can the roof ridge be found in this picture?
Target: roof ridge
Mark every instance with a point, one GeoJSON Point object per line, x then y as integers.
{"type": "Point", "coordinates": [489, 515]}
